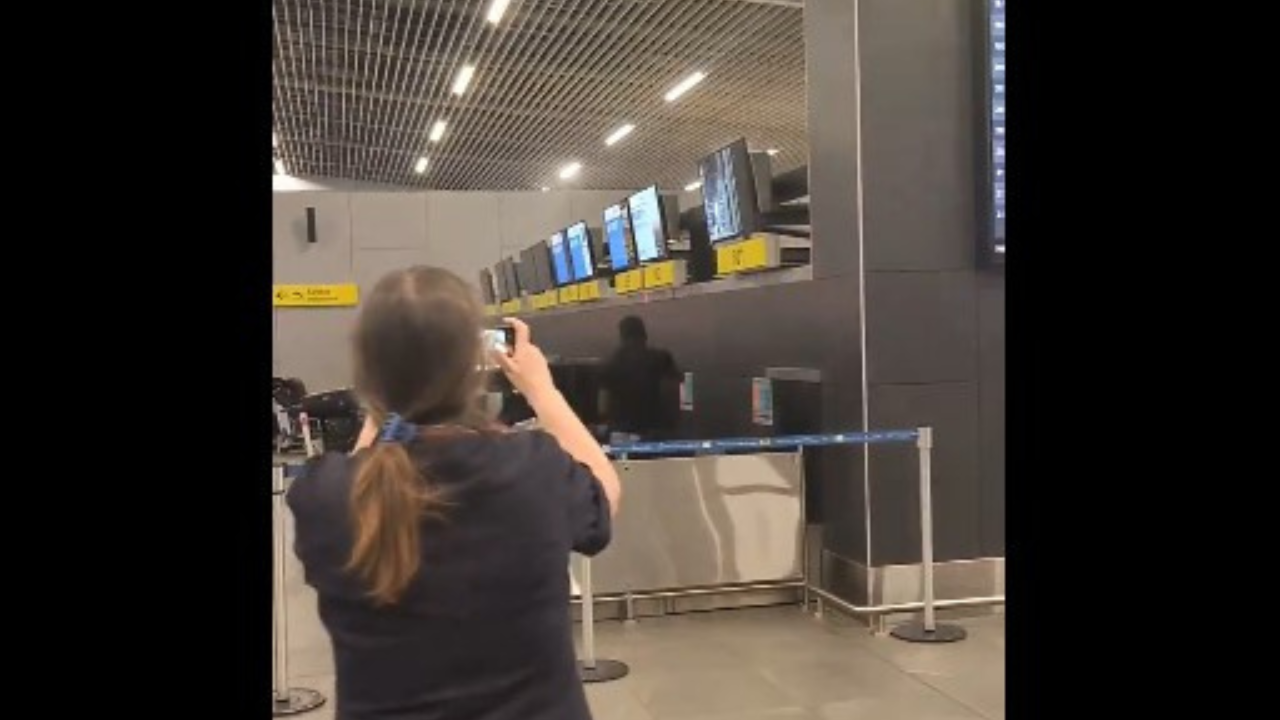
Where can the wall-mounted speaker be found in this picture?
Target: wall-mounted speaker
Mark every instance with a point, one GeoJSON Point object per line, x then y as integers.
{"type": "Point", "coordinates": [311, 225]}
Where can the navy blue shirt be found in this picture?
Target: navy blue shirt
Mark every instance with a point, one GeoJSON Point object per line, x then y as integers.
{"type": "Point", "coordinates": [483, 632]}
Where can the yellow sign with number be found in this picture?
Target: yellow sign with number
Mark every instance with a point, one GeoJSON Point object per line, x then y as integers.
{"type": "Point", "coordinates": [544, 300]}
{"type": "Point", "coordinates": [345, 295]}
{"type": "Point", "coordinates": [628, 282]}
{"type": "Point", "coordinates": [746, 256]}
{"type": "Point", "coordinates": [589, 291]}
{"type": "Point", "coordinates": [511, 307]}
{"type": "Point", "coordinates": [659, 275]}
{"type": "Point", "coordinates": [490, 310]}
{"type": "Point", "coordinates": [568, 294]}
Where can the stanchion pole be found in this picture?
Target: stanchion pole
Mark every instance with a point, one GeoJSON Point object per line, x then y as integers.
{"type": "Point", "coordinates": [286, 700]}
{"type": "Point", "coordinates": [927, 631]}
{"type": "Point", "coordinates": [591, 669]}
{"type": "Point", "coordinates": [588, 618]}
{"type": "Point", "coordinates": [305, 421]}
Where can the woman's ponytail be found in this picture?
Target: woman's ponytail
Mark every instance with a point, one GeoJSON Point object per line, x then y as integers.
{"type": "Point", "coordinates": [388, 501]}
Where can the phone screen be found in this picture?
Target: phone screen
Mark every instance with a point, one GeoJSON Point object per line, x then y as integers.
{"type": "Point", "coordinates": [502, 339]}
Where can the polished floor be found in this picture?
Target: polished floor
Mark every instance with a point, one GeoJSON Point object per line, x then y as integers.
{"type": "Point", "coordinates": [769, 663]}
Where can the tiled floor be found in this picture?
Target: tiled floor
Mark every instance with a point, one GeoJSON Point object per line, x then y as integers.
{"type": "Point", "coordinates": [771, 663]}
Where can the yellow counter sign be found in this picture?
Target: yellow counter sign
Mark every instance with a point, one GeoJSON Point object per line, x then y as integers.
{"type": "Point", "coordinates": [345, 295]}
{"type": "Point", "coordinates": [659, 275]}
{"type": "Point", "coordinates": [745, 256]}
{"type": "Point", "coordinates": [628, 282]}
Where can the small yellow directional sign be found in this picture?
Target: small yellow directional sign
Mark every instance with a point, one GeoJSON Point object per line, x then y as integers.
{"type": "Point", "coordinates": [345, 295]}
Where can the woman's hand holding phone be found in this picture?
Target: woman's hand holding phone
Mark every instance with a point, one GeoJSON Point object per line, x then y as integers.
{"type": "Point", "coordinates": [525, 365]}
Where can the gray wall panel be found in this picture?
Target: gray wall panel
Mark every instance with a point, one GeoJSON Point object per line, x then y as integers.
{"type": "Point", "coordinates": [388, 220]}
{"type": "Point", "coordinates": [921, 327]}
{"type": "Point", "coordinates": [831, 48]}
{"type": "Point", "coordinates": [991, 411]}
{"type": "Point", "coordinates": [294, 260]}
{"type": "Point", "coordinates": [919, 134]}
{"type": "Point", "coordinates": [951, 409]}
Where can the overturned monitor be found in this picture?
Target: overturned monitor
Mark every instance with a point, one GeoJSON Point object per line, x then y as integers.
{"type": "Point", "coordinates": [581, 259]}
{"type": "Point", "coordinates": [648, 225]}
{"type": "Point", "coordinates": [619, 243]}
{"type": "Point", "coordinates": [562, 273]}
{"type": "Point", "coordinates": [729, 196]}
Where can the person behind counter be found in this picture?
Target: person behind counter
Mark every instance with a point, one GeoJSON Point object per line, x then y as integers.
{"type": "Point", "coordinates": [639, 386]}
{"type": "Point", "coordinates": [439, 549]}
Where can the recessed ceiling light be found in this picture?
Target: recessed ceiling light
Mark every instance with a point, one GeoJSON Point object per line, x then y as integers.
{"type": "Point", "coordinates": [280, 169]}
{"type": "Point", "coordinates": [684, 86]}
{"type": "Point", "coordinates": [693, 186]}
{"type": "Point", "coordinates": [545, 188]}
{"type": "Point", "coordinates": [618, 134]}
{"type": "Point", "coordinates": [463, 79]}
{"type": "Point", "coordinates": [437, 131]}
{"type": "Point", "coordinates": [496, 10]}
{"type": "Point", "coordinates": [420, 166]}
{"type": "Point", "coordinates": [570, 170]}
{"type": "Point", "coordinates": [773, 151]}
{"type": "Point", "coordinates": [275, 140]}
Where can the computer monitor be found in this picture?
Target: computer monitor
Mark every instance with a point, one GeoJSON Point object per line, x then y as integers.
{"type": "Point", "coordinates": [486, 287]}
{"type": "Point", "coordinates": [581, 259]}
{"type": "Point", "coordinates": [525, 273]}
{"type": "Point", "coordinates": [541, 257]}
{"type": "Point", "coordinates": [530, 281]}
{"type": "Point", "coordinates": [729, 193]}
{"type": "Point", "coordinates": [618, 239]}
{"type": "Point", "coordinates": [500, 282]}
{"type": "Point", "coordinates": [513, 281]}
{"type": "Point", "coordinates": [562, 272]}
{"type": "Point", "coordinates": [648, 226]}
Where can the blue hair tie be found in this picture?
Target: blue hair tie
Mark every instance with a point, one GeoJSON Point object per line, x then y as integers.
{"type": "Point", "coordinates": [397, 430]}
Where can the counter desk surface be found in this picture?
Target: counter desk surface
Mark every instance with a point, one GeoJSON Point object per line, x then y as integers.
{"type": "Point", "coordinates": [700, 521]}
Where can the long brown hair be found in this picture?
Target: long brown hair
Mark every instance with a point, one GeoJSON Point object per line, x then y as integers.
{"type": "Point", "coordinates": [417, 344]}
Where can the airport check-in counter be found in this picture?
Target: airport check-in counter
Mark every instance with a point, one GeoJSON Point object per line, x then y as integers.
{"type": "Point", "coordinates": [720, 528]}
{"type": "Point", "coordinates": [704, 531]}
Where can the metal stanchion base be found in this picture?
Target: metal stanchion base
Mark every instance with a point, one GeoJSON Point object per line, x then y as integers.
{"type": "Point", "coordinates": [297, 701]}
{"type": "Point", "coordinates": [915, 632]}
{"type": "Point", "coordinates": [603, 671]}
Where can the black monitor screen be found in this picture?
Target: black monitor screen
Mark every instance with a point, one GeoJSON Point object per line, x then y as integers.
{"type": "Point", "coordinates": [542, 257]}
{"type": "Point", "coordinates": [729, 193]}
{"type": "Point", "coordinates": [994, 51]}
{"type": "Point", "coordinates": [529, 256]}
{"type": "Point", "coordinates": [524, 273]}
{"type": "Point", "coordinates": [647, 225]}
{"type": "Point", "coordinates": [486, 287]}
{"type": "Point", "coordinates": [562, 272]}
{"type": "Point", "coordinates": [617, 233]}
{"type": "Point", "coordinates": [513, 283]}
{"type": "Point", "coordinates": [578, 241]}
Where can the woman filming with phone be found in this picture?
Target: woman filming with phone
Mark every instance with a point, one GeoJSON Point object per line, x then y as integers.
{"type": "Point", "coordinates": [439, 548]}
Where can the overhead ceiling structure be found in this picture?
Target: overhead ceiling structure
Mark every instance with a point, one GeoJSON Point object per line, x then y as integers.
{"type": "Point", "coordinates": [373, 90]}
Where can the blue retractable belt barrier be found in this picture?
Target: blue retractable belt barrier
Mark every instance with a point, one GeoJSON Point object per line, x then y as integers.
{"type": "Point", "coordinates": [783, 442]}
{"type": "Point", "coordinates": [711, 447]}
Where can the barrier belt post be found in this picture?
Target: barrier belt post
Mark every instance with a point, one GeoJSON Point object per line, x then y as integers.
{"type": "Point", "coordinates": [286, 700]}
{"type": "Point", "coordinates": [591, 669]}
{"type": "Point", "coordinates": [304, 420]}
{"type": "Point", "coordinates": [928, 630]}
